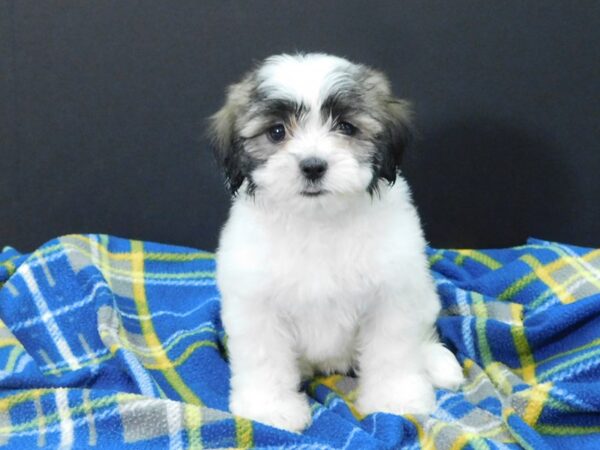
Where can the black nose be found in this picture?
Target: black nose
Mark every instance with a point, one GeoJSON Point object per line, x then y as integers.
{"type": "Point", "coordinates": [313, 168]}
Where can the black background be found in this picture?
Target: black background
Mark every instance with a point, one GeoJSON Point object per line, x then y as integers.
{"type": "Point", "coordinates": [103, 105]}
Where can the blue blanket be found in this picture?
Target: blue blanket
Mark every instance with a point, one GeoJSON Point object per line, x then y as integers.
{"type": "Point", "coordinates": [112, 343]}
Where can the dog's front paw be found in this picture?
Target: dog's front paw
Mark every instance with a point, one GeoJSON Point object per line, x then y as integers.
{"type": "Point", "coordinates": [409, 394]}
{"type": "Point", "coordinates": [288, 411]}
{"type": "Point", "coordinates": [443, 368]}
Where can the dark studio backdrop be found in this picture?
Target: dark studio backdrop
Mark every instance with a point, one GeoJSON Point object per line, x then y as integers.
{"type": "Point", "coordinates": [102, 109]}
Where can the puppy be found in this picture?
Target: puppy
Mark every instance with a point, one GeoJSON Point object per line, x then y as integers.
{"type": "Point", "coordinates": [321, 264]}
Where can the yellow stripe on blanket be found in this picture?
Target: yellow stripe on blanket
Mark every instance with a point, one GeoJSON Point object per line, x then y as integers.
{"type": "Point", "coordinates": [162, 360]}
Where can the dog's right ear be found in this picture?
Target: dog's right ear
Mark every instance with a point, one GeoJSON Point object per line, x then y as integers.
{"type": "Point", "coordinates": [224, 136]}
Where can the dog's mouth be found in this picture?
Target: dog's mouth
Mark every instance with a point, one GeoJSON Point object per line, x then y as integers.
{"type": "Point", "coordinates": [313, 192]}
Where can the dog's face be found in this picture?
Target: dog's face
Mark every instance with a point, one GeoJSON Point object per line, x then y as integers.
{"type": "Point", "coordinates": [310, 128]}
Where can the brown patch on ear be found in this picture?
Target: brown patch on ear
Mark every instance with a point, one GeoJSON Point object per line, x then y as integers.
{"type": "Point", "coordinates": [224, 135]}
{"type": "Point", "coordinates": [398, 136]}
{"type": "Point", "coordinates": [395, 115]}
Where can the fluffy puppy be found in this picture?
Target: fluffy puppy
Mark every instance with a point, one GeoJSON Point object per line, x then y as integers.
{"type": "Point", "coordinates": [321, 264]}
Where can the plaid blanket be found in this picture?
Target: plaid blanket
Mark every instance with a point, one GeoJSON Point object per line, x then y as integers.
{"type": "Point", "coordinates": [112, 343]}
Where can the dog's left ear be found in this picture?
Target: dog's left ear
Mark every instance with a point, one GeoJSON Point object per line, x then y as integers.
{"type": "Point", "coordinates": [225, 141]}
{"type": "Point", "coordinates": [395, 116]}
{"type": "Point", "coordinates": [396, 137]}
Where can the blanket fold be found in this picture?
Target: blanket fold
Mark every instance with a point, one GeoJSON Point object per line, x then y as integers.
{"type": "Point", "coordinates": [117, 343]}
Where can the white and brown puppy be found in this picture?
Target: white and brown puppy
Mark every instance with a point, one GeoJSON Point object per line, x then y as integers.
{"type": "Point", "coordinates": [322, 264]}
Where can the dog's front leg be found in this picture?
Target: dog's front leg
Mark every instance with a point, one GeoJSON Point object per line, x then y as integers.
{"type": "Point", "coordinates": [265, 375]}
{"type": "Point", "coordinates": [392, 376]}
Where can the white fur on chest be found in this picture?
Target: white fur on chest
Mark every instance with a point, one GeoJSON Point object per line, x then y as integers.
{"type": "Point", "coordinates": [318, 276]}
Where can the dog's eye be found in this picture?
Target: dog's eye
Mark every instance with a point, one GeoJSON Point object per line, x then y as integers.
{"type": "Point", "coordinates": [346, 128]}
{"type": "Point", "coordinates": [276, 133]}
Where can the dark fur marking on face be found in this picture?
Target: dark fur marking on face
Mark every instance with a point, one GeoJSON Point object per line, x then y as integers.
{"type": "Point", "coordinates": [395, 117]}
{"type": "Point", "coordinates": [227, 144]}
{"type": "Point", "coordinates": [371, 97]}
{"type": "Point", "coordinates": [282, 108]}
{"type": "Point", "coordinates": [363, 93]}
{"type": "Point", "coordinates": [238, 165]}
{"type": "Point", "coordinates": [341, 104]}
{"type": "Point", "coordinates": [273, 110]}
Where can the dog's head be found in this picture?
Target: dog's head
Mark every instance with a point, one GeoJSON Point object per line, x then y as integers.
{"type": "Point", "coordinates": [310, 127]}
